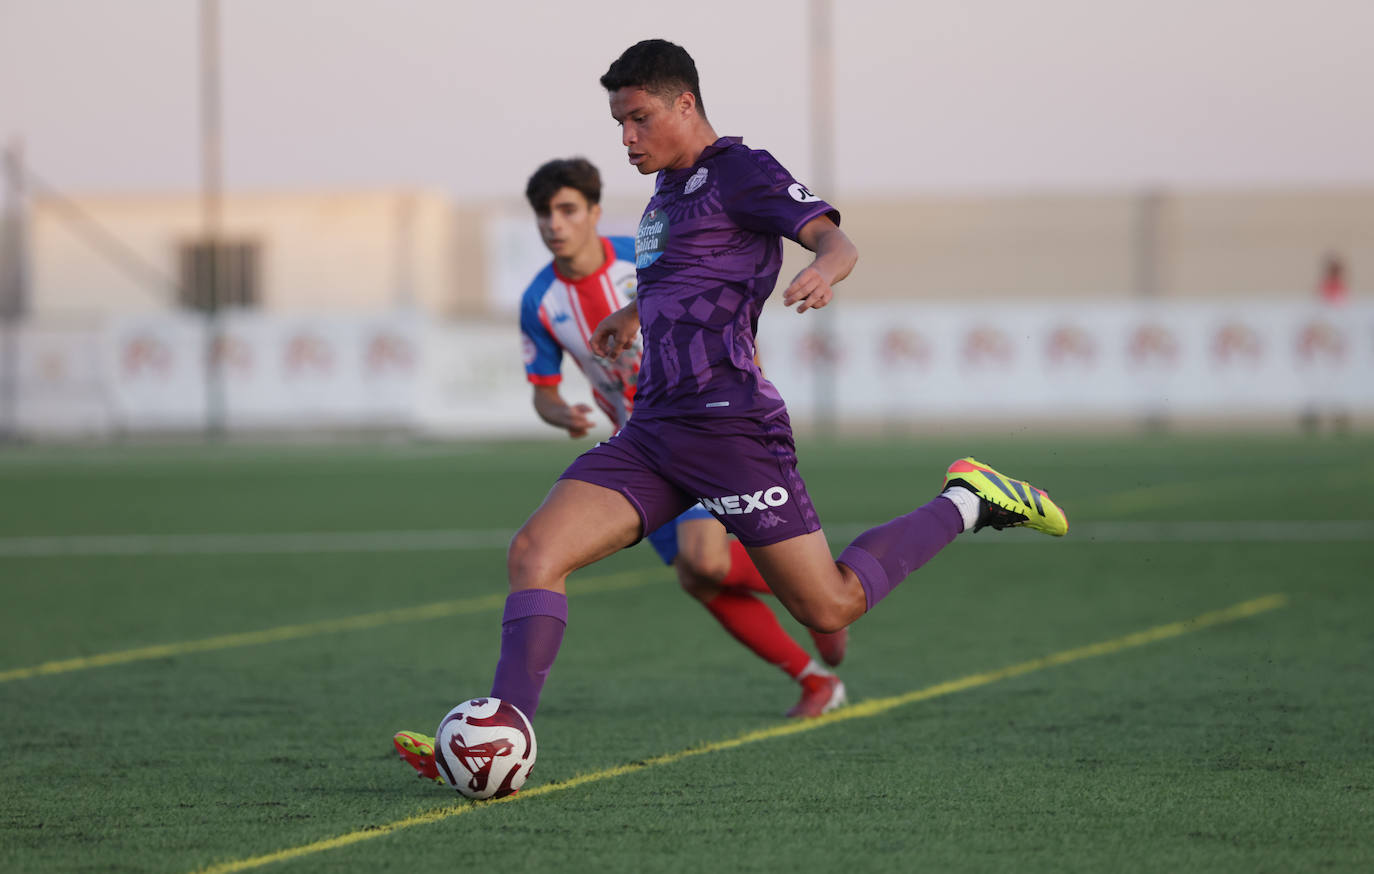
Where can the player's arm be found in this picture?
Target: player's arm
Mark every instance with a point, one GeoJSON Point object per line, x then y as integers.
{"type": "Point", "coordinates": [576, 419]}
{"type": "Point", "coordinates": [617, 332]}
{"type": "Point", "coordinates": [544, 362]}
{"type": "Point", "coordinates": [836, 256]}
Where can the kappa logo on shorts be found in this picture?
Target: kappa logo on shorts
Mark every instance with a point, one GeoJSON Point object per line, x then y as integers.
{"type": "Point", "coordinates": [770, 520]}
{"type": "Point", "coordinates": [736, 505]}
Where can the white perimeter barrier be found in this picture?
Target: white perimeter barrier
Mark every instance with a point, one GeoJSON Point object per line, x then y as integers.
{"type": "Point", "coordinates": [1098, 361]}
{"type": "Point", "coordinates": [886, 363]}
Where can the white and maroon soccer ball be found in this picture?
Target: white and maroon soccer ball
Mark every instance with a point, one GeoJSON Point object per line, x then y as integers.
{"type": "Point", "coordinates": [485, 748]}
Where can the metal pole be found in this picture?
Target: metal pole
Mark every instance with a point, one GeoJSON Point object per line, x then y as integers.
{"type": "Point", "coordinates": [823, 181]}
{"type": "Point", "coordinates": [13, 289]}
{"type": "Point", "coordinates": [211, 211]}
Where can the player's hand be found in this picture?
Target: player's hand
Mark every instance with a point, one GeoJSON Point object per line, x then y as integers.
{"type": "Point", "coordinates": [579, 421]}
{"type": "Point", "coordinates": [809, 291]}
{"type": "Point", "coordinates": [616, 333]}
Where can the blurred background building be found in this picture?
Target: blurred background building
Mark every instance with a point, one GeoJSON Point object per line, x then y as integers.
{"type": "Point", "coordinates": [143, 293]}
{"type": "Point", "coordinates": [109, 255]}
{"type": "Point", "coordinates": [100, 255]}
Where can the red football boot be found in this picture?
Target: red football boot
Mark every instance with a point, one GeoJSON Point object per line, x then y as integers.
{"type": "Point", "coordinates": [418, 751]}
{"type": "Point", "coordinates": [821, 693]}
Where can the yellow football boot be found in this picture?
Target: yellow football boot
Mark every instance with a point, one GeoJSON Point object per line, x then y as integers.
{"type": "Point", "coordinates": [418, 751]}
{"type": "Point", "coordinates": [1007, 502]}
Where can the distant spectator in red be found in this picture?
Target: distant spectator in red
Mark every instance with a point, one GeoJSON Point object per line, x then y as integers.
{"type": "Point", "coordinates": [1333, 288]}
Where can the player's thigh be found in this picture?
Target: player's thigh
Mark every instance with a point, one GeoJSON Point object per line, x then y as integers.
{"type": "Point", "coordinates": [664, 538]}
{"type": "Point", "coordinates": [814, 588]}
{"type": "Point", "coordinates": [632, 467]}
{"type": "Point", "coordinates": [578, 523]}
{"type": "Point", "coordinates": [744, 471]}
{"type": "Point", "coordinates": [703, 545]}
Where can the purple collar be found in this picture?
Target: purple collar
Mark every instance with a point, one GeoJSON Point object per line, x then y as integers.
{"type": "Point", "coordinates": [710, 151]}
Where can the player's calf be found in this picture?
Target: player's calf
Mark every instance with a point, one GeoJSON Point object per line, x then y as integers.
{"type": "Point", "coordinates": [831, 646]}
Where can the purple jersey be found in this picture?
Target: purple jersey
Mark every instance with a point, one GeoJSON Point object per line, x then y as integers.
{"type": "Point", "coordinates": [708, 252]}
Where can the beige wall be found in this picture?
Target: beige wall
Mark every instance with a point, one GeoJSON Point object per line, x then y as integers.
{"type": "Point", "coordinates": [951, 248]}
{"type": "Point", "coordinates": [1264, 244]}
{"type": "Point", "coordinates": [341, 251]}
{"type": "Point", "coordinates": [1207, 245]}
{"type": "Point", "coordinates": [346, 251]}
{"type": "Point", "coordinates": [1253, 244]}
{"type": "Point", "coordinates": [470, 285]}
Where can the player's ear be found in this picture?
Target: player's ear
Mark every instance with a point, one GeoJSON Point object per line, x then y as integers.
{"type": "Point", "coordinates": [686, 103]}
{"type": "Point", "coordinates": [595, 212]}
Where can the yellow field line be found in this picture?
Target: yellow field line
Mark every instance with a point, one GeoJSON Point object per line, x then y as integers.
{"type": "Point", "coordinates": [438, 610]}
{"type": "Point", "coordinates": [862, 710]}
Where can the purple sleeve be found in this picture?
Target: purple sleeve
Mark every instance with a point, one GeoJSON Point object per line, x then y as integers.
{"type": "Point", "coordinates": [762, 196]}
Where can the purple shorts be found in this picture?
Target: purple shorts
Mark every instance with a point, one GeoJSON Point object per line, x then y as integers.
{"type": "Point", "coordinates": [743, 470]}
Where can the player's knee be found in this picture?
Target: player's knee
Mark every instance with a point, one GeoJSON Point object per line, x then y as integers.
{"type": "Point", "coordinates": [826, 616]}
{"type": "Point", "coordinates": [701, 588]}
{"type": "Point", "coordinates": [829, 622]}
{"type": "Point", "coordinates": [703, 563]}
{"type": "Point", "coordinates": [527, 563]}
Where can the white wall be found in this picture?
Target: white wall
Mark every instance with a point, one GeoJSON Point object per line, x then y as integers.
{"type": "Point", "coordinates": [893, 364]}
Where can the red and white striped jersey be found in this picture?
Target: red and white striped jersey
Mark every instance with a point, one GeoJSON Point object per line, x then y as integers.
{"type": "Point", "coordinates": [558, 315]}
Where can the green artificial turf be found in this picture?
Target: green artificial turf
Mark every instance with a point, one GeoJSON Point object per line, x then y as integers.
{"type": "Point", "coordinates": [1244, 746]}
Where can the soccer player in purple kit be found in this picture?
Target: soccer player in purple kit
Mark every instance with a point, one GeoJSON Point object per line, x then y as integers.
{"type": "Point", "coordinates": [589, 277]}
{"type": "Point", "coordinates": [707, 426]}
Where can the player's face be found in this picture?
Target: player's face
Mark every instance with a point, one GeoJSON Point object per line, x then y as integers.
{"type": "Point", "coordinates": [569, 227]}
{"type": "Point", "coordinates": [654, 131]}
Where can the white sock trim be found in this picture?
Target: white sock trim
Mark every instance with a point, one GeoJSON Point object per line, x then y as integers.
{"type": "Point", "coordinates": [966, 502]}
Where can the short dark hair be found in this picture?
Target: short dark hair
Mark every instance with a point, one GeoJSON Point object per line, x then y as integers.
{"type": "Point", "coordinates": [662, 68]}
{"type": "Point", "coordinates": [576, 173]}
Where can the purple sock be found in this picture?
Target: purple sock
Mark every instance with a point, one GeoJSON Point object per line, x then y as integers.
{"type": "Point", "coordinates": [882, 557]}
{"type": "Point", "coordinates": [531, 632]}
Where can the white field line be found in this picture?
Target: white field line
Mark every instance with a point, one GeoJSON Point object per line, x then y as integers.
{"type": "Point", "coordinates": [1296, 531]}
{"type": "Point", "coordinates": [264, 543]}
{"type": "Point", "coordinates": [1292, 531]}
{"type": "Point", "coordinates": [1331, 531]}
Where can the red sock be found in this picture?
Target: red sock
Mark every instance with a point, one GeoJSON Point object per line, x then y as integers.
{"type": "Point", "coordinates": [742, 573]}
{"type": "Point", "coordinates": [753, 624]}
